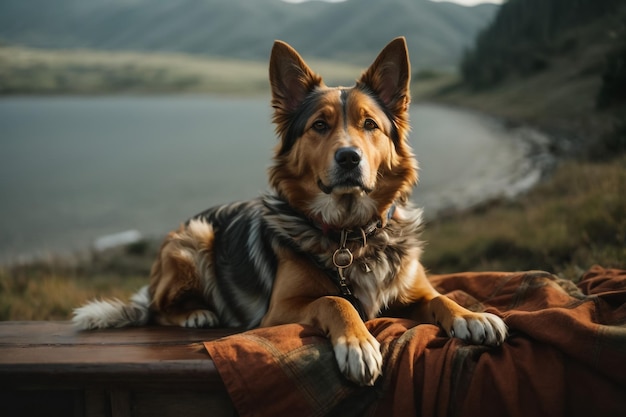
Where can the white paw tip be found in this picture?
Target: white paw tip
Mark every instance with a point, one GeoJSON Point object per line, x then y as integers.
{"type": "Point", "coordinates": [359, 360]}
{"type": "Point", "coordinates": [484, 329]}
{"type": "Point", "coordinates": [200, 318]}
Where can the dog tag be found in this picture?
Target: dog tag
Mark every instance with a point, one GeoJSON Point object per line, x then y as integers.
{"type": "Point", "coordinates": [342, 258]}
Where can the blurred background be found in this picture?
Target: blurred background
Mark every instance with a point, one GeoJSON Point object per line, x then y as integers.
{"type": "Point", "coordinates": [119, 119]}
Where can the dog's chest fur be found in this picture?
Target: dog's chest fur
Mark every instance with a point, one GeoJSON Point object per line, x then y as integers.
{"type": "Point", "coordinates": [248, 236]}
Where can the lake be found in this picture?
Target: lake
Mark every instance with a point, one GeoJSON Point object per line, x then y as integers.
{"type": "Point", "coordinates": [73, 169]}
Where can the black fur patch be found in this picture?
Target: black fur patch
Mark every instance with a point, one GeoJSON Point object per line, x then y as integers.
{"type": "Point", "coordinates": [244, 260]}
{"type": "Point", "coordinates": [297, 121]}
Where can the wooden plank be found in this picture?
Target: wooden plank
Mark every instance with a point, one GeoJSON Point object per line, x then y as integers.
{"type": "Point", "coordinates": [47, 333]}
{"type": "Point", "coordinates": [124, 374]}
{"type": "Point", "coordinates": [44, 351]}
{"type": "Point", "coordinates": [100, 355]}
{"type": "Point", "coordinates": [48, 368]}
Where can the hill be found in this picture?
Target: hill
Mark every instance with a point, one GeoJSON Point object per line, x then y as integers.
{"type": "Point", "coordinates": [556, 64]}
{"type": "Point", "coordinates": [46, 71]}
{"type": "Point", "coordinates": [350, 31]}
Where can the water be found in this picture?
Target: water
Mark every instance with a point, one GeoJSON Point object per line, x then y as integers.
{"type": "Point", "coordinates": [73, 169]}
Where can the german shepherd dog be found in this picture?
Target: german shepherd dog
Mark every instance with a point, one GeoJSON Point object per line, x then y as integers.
{"type": "Point", "coordinates": [334, 242]}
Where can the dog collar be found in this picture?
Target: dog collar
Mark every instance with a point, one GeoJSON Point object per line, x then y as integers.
{"type": "Point", "coordinates": [361, 233]}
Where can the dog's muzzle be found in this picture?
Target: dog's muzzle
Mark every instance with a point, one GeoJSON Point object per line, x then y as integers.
{"type": "Point", "coordinates": [347, 172]}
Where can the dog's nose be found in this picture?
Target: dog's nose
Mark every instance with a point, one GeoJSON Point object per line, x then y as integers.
{"type": "Point", "coordinates": [348, 158]}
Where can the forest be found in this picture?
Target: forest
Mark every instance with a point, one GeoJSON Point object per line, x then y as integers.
{"type": "Point", "coordinates": [527, 35]}
{"type": "Point", "coordinates": [568, 43]}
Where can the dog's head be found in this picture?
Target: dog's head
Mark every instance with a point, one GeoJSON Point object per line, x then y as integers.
{"type": "Point", "coordinates": [343, 157]}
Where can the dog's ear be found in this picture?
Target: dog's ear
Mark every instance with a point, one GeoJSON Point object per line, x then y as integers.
{"type": "Point", "coordinates": [290, 78]}
{"type": "Point", "coordinates": [389, 76]}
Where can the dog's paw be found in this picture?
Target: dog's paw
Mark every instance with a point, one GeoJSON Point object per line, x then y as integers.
{"type": "Point", "coordinates": [479, 329]}
{"type": "Point", "coordinates": [199, 319]}
{"type": "Point", "coordinates": [359, 360]}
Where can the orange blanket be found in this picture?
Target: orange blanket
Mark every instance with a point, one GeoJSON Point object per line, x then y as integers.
{"type": "Point", "coordinates": [566, 356]}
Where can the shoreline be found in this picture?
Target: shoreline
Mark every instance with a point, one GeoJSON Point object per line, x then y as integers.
{"type": "Point", "coordinates": [538, 161]}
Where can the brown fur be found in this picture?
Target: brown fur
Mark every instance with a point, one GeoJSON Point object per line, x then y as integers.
{"type": "Point", "coordinates": [176, 278]}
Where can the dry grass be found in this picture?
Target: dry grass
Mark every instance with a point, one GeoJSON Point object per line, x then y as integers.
{"type": "Point", "coordinates": [50, 289]}
{"type": "Point", "coordinates": [574, 220]}
{"type": "Point", "coordinates": [52, 297]}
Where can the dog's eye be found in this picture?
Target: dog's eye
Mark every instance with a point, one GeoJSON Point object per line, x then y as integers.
{"type": "Point", "coordinates": [320, 126]}
{"type": "Point", "coordinates": [370, 124]}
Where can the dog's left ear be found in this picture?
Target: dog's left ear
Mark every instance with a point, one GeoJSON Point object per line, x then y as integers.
{"type": "Point", "coordinates": [389, 76]}
{"type": "Point", "coordinates": [290, 77]}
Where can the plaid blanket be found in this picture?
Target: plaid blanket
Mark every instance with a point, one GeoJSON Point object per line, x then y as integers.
{"type": "Point", "coordinates": [566, 355]}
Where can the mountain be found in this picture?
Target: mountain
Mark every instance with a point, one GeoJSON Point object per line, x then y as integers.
{"type": "Point", "coordinates": [352, 31]}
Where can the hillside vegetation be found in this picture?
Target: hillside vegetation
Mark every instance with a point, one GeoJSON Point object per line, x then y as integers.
{"type": "Point", "coordinates": [350, 31]}
{"type": "Point", "coordinates": [44, 71]}
{"type": "Point", "coordinates": [556, 64]}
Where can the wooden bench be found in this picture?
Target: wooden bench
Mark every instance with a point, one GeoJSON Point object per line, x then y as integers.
{"type": "Point", "coordinates": [49, 369]}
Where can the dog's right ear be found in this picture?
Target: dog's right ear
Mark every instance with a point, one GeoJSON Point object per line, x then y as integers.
{"type": "Point", "coordinates": [390, 75]}
{"type": "Point", "coordinates": [290, 78]}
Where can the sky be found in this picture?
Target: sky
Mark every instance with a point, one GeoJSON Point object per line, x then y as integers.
{"type": "Point", "coordinates": [462, 2]}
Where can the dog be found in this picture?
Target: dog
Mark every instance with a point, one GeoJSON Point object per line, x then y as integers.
{"type": "Point", "coordinates": [333, 243]}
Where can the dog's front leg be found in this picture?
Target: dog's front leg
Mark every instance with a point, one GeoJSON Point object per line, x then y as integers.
{"type": "Point", "coordinates": [299, 297]}
{"type": "Point", "coordinates": [356, 350]}
{"type": "Point", "coordinates": [429, 306]}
